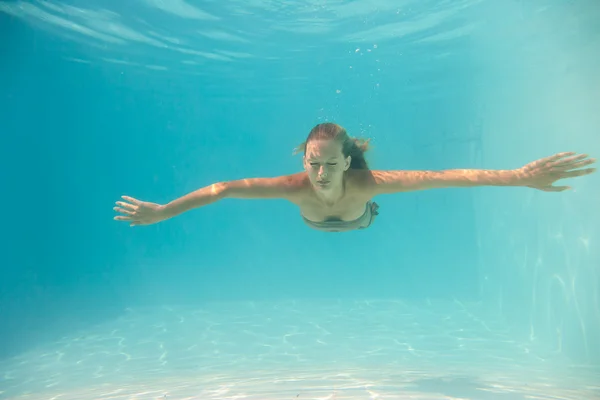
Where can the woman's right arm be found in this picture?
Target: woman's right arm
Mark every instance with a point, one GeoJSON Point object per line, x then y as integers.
{"type": "Point", "coordinates": [282, 187]}
{"type": "Point", "coordinates": [143, 213]}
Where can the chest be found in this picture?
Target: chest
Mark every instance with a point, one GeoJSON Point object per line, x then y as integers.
{"type": "Point", "coordinates": [346, 210]}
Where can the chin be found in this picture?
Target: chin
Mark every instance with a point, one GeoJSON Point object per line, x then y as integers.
{"type": "Point", "coordinates": [324, 188]}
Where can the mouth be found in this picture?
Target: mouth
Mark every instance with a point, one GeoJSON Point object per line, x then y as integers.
{"type": "Point", "coordinates": [323, 183]}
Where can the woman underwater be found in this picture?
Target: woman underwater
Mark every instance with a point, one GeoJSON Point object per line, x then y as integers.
{"type": "Point", "coordinates": [335, 191]}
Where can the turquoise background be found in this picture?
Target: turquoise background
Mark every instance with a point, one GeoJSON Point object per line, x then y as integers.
{"type": "Point", "coordinates": [483, 84]}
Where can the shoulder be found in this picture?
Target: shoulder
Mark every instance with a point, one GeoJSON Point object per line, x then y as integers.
{"type": "Point", "coordinates": [360, 183]}
{"type": "Point", "coordinates": [295, 187]}
{"type": "Point", "coordinates": [361, 180]}
{"type": "Point", "coordinates": [297, 181]}
{"type": "Point", "coordinates": [292, 184]}
{"type": "Point", "coordinates": [375, 182]}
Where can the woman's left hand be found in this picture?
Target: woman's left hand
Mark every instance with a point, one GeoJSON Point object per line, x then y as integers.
{"type": "Point", "coordinates": [542, 174]}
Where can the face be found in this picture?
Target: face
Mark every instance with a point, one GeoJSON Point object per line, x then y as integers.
{"type": "Point", "coordinates": [325, 164]}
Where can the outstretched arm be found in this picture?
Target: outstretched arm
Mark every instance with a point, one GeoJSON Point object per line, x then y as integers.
{"type": "Point", "coordinates": [252, 188]}
{"type": "Point", "coordinates": [138, 212]}
{"type": "Point", "coordinates": [539, 174]}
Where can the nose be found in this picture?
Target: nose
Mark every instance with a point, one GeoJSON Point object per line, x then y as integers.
{"type": "Point", "coordinates": [322, 172]}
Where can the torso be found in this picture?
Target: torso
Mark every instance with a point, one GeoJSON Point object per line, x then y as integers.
{"type": "Point", "coordinates": [350, 207]}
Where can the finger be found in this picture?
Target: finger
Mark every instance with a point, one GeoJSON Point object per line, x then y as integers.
{"type": "Point", "coordinates": [131, 200]}
{"type": "Point", "coordinates": [570, 160]}
{"type": "Point", "coordinates": [123, 211]}
{"type": "Point", "coordinates": [579, 172]}
{"type": "Point", "coordinates": [128, 205]}
{"type": "Point", "coordinates": [556, 157]}
{"type": "Point", "coordinates": [546, 160]}
{"type": "Point", "coordinates": [573, 165]}
{"type": "Point", "coordinates": [122, 218]}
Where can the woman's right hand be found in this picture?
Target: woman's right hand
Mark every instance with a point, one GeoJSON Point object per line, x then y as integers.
{"type": "Point", "coordinates": [138, 212]}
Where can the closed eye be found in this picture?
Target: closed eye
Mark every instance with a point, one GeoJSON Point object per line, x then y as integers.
{"type": "Point", "coordinates": [316, 163]}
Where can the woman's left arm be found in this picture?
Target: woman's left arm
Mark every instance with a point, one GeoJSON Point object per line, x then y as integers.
{"type": "Point", "coordinates": [540, 174]}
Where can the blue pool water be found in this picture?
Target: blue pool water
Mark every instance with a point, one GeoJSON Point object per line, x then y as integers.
{"type": "Point", "coordinates": [465, 293]}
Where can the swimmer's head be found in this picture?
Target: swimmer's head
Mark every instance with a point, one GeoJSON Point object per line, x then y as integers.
{"type": "Point", "coordinates": [329, 152]}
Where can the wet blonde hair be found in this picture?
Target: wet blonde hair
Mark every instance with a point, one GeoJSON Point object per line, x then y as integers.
{"type": "Point", "coordinates": [352, 147]}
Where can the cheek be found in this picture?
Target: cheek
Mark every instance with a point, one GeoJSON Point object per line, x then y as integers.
{"type": "Point", "coordinates": [310, 170]}
{"type": "Point", "coordinates": [338, 169]}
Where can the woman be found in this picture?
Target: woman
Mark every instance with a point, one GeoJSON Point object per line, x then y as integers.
{"type": "Point", "coordinates": [335, 191]}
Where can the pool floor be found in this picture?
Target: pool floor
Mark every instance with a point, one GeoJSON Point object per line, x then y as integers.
{"type": "Point", "coordinates": [296, 350]}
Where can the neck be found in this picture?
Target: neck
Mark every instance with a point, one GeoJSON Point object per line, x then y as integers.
{"type": "Point", "coordinates": [331, 197]}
